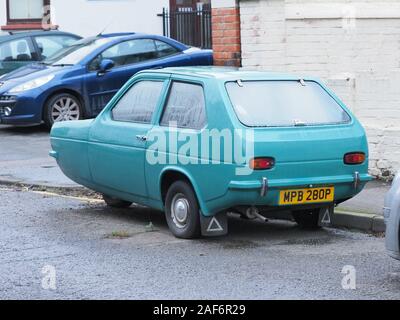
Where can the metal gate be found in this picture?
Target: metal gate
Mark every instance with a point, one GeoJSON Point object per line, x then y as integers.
{"type": "Point", "coordinates": [189, 26]}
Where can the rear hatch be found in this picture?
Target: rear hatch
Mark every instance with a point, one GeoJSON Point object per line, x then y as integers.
{"type": "Point", "coordinates": [306, 153]}
{"type": "Point", "coordinates": [302, 126]}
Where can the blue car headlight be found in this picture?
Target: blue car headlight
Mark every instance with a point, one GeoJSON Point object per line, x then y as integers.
{"type": "Point", "coordinates": [33, 84]}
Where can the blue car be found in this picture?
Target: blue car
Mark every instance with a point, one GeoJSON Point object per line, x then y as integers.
{"type": "Point", "coordinates": [78, 81]}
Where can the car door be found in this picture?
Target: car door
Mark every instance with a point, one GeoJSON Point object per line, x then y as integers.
{"type": "Point", "coordinates": [118, 139]}
{"type": "Point", "coordinates": [177, 138]}
{"type": "Point", "coordinates": [16, 53]}
{"type": "Point", "coordinates": [129, 57]}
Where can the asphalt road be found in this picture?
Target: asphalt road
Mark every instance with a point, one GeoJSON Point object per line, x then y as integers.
{"type": "Point", "coordinates": [99, 253]}
{"type": "Point", "coordinates": [24, 157]}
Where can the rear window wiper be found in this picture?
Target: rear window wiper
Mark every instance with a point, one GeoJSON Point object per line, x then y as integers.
{"type": "Point", "coordinates": [299, 123]}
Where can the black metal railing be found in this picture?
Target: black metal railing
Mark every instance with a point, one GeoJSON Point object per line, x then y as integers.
{"type": "Point", "coordinates": [191, 27]}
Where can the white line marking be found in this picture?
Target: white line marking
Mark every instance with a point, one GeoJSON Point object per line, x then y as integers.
{"type": "Point", "coordinates": [67, 197]}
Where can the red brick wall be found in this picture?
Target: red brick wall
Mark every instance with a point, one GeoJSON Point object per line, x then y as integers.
{"type": "Point", "coordinates": [226, 36]}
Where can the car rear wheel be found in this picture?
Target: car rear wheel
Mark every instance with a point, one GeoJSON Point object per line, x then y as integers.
{"type": "Point", "coordinates": [182, 211]}
{"type": "Point", "coordinates": [307, 219]}
{"type": "Point", "coordinates": [116, 203]}
{"type": "Point", "coordinates": [62, 107]}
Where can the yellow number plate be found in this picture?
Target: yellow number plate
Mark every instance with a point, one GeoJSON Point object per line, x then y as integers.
{"type": "Point", "coordinates": [304, 196]}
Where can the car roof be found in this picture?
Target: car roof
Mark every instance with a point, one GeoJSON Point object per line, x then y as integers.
{"type": "Point", "coordinates": [225, 73]}
{"type": "Point", "coordinates": [17, 35]}
{"type": "Point", "coordinates": [122, 36]}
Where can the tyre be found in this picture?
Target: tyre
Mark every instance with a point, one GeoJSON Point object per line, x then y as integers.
{"type": "Point", "coordinates": [307, 219]}
{"type": "Point", "coordinates": [116, 203]}
{"type": "Point", "coordinates": [62, 107]}
{"type": "Point", "coordinates": [182, 211]}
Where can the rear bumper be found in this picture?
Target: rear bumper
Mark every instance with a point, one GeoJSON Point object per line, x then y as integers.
{"type": "Point", "coordinates": [283, 183]}
{"type": "Point", "coordinates": [256, 193]}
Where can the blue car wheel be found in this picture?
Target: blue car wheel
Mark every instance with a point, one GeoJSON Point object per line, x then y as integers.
{"type": "Point", "coordinates": [62, 107]}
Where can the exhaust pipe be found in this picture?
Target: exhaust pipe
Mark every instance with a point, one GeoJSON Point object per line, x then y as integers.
{"type": "Point", "coordinates": [253, 213]}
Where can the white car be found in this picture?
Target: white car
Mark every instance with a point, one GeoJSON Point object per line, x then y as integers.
{"type": "Point", "coordinates": [392, 219]}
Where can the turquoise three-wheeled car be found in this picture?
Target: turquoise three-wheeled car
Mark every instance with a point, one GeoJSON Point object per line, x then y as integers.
{"type": "Point", "coordinates": [200, 142]}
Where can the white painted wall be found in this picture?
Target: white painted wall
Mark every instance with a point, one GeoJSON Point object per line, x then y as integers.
{"type": "Point", "coordinates": [354, 46]}
{"type": "Point", "coordinates": [90, 17]}
{"type": "Point", "coordinates": [3, 14]}
{"type": "Point", "coordinates": [223, 3]}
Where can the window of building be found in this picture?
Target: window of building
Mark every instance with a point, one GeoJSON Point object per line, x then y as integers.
{"type": "Point", "coordinates": [25, 10]}
{"type": "Point", "coordinates": [189, 4]}
{"type": "Point", "coordinates": [27, 15]}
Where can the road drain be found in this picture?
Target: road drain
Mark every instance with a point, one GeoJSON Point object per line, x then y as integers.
{"type": "Point", "coordinates": [240, 244]}
{"type": "Point", "coordinates": [307, 242]}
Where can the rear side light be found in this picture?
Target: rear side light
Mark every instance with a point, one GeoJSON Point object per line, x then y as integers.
{"type": "Point", "coordinates": [262, 163]}
{"type": "Point", "coordinates": [354, 158]}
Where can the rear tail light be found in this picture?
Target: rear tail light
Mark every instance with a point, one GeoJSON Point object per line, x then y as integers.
{"type": "Point", "coordinates": [354, 158]}
{"type": "Point", "coordinates": [262, 163]}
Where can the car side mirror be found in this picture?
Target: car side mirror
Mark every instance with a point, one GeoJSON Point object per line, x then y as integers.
{"type": "Point", "coordinates": [105, 65]}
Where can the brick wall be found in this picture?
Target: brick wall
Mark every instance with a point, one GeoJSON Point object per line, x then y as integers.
{"type": "Point", "coordinates": [226, 36]}
{"type": "Point", "coordinates": [352, 46]}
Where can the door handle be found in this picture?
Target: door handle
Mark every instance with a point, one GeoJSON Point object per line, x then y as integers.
{"type": "Point", "coordinates": [141, 138]}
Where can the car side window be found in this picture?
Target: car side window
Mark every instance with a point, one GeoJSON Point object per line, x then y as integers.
{"type": "Point", "coordinates": [49, 45]}
{"type": "Point", "coordinates": [127, 53]}
{"type": "Point", "coordinates": [186, 107]}
{"type": "Point", "coordinates": [164, 49]}
{"type": "Point", "coordinates": [139, 103]}
{"type": "Point", "coordinates": [17, 50]}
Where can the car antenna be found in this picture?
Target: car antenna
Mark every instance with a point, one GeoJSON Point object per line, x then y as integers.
{"type": "Point", "coordinates": [105, 28]}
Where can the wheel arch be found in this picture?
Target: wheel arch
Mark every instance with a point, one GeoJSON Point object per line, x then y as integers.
{"type": "Point", "coordinates": [172, 174]}
{"type": "Point", "coordinates": [75, 93]}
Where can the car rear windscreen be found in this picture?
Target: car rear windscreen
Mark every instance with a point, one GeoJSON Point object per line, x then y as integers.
{"type": "Point", "coordinates": [284, 103]}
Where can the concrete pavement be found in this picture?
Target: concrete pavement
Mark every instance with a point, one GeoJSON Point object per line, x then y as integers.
{"type": "Point", "coordinates": [370, 201]}
{"type": "Point", "coordinates": [365, 211]}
